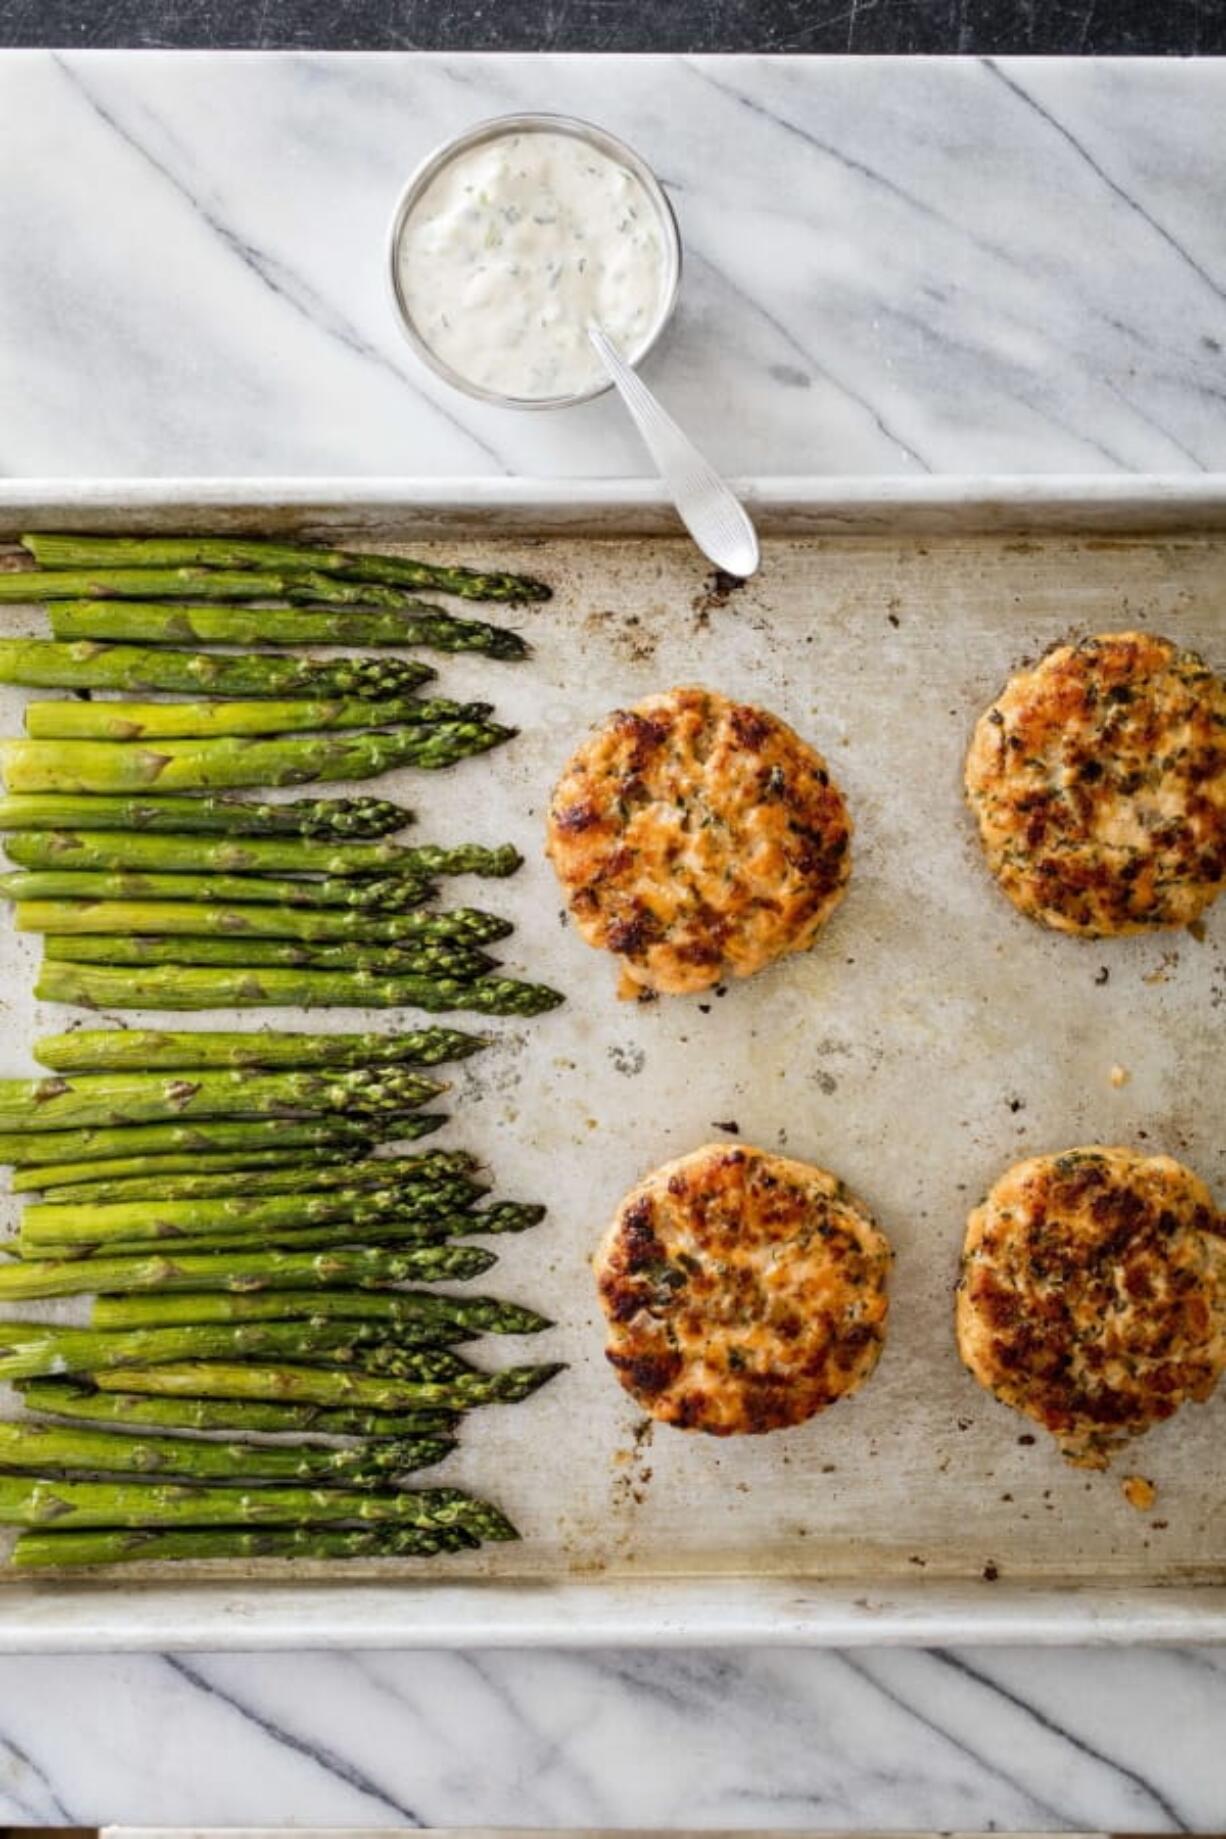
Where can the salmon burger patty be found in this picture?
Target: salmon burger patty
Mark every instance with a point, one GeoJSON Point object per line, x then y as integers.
{"type": "Point", "coordinates": [1098, 778]}
{"type": "Point", "coordinates": [698, 838]}
{"type": "Point", "coordinates": [744, 1292]}
{"type": "Point", "coordinates": [1093, 1295]}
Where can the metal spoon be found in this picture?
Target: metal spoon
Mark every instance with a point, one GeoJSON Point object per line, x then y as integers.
{"type": "Point", "coordinates": [709, 509]}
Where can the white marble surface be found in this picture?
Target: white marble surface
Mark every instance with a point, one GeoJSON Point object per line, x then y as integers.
{"type": "Point", "coordinates": [918, 267]}
{"type": "Point", "coordinates": [958, 1740]}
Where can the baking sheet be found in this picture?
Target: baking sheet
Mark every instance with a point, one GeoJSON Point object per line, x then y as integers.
{"type": "Point", "coordinates": [932, 1037]}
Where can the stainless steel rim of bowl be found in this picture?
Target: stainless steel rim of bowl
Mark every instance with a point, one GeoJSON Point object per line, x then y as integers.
{"type": "Point", "coordinates": [536, 123]}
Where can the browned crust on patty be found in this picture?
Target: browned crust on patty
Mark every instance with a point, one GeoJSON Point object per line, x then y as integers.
{"type": "Point", "coordinates": [1093, 1294]}
{"type": "Point", "coordinates": [1098, 778]}
{"type": "Point", "coordinates": [698, 838]}
{"type": "Point", "coordinates": [744, 1292]}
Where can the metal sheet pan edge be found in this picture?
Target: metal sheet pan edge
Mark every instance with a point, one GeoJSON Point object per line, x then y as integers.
{"type": "Point", "coordinates": [672, 1613]}
{"type": "Point", "coordinates": [677, 1612]}
{"type": "Point", "coordinates": [816, 506]}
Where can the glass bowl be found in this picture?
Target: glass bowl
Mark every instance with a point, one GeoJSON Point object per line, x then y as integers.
{"type": "Point", "coordinates": [495, 129]}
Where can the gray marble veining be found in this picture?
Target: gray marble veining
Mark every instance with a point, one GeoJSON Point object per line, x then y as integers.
{"type": "Point", "coordinates": [947, 1740]}
{"type": "Point", "coordinates": [936, 265]}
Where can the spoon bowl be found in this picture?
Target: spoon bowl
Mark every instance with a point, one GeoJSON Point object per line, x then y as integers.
{"type": "Point", "coordinates": [706, 504]}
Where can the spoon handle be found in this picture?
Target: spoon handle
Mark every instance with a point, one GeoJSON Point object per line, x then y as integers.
{"type": "Point", "coordinates": [709, 509]}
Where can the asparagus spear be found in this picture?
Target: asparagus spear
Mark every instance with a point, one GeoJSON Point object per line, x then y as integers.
{"type": "Point", "coordinates": [53, 1450]}
{"type": "Point", "coordinates": [55, 1149]}
{"type": "Point", "coordinates": [251, 552]}
{"type": "Point", "coordinates": [407, 958]}
{"type": "Point", "coordinates": [407, 1310]}
{"type": "Point", "coordinates": [36, 1350]}
{"type": "Point", "coordinates": [89, 665]}
{"type": "Point", "coordinates": [74, 1178]}
{"type": "Point", "coordinates": [68, 1398]}
{"type": "Point", "coordinates": [462, 859]}
{"type": "Point", "coordinates": [232, 817]}
{"type": "Point", "coordinates": [388, 1231]}
{"type": "Point", "coordinates": [88, 850]}
{"type": "Point", "coordinates": [236, 760]}
{"type": "Point", "coordinates": [240, 1271]}
{"type": "Point", "coordinates": [57, 1103]}
{"type": "Point", "coordinates": [73, 1504]}
{"type": "Point", "coordinates": [412, 623]}
{"type": "Point", "coordinates": [253, 1216]}
{"type": "Point", "coordinates": [386, 895]}
{"type": "Point", "coordinates": [115, 1545]}
{"type": "Point", "coordinates": [142, 721]}
{"type": "Point", "coordinates": [209, 584]}
{"type": "Point", "coordinates": [412, 1334]}
{"type": "Point", "coordinates": [179, 987]}
{"type": "Point", "coordinates": [52, 1229]}
{"type": "Point", "coordinates": [392, 1230]}
{"type": "Point", "coordinates": [285, 1176]}
{"type": "Point", "coordinates": [165, 918]}
{"type": "Point", "coordinates": [319, 1158]}
{"type": "Point", "coordinates": [310, 1164]}
{"type": "Point", "coordinates": [321, 1385]}
{"type": "Point", "coordinates": [104, 1050]}
{"type": "Point", "coordinates": [379, 1172]}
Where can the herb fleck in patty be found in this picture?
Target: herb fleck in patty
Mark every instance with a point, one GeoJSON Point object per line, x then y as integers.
{"type": "Point", "coordinates": [698, 838]}
{"type": "Point", "coordinates": [1093, 1294]}
{"type": "Point", "coordinates": [1099, 781]}
{"type": "Point", "coordinates": [744, 1292]}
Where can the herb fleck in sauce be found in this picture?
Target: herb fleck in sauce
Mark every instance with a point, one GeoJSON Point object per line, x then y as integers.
{"type": "Point", "coordinates": [515, 247]}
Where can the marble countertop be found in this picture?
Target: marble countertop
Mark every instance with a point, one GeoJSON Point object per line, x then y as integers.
{"type": "Point", "coordinates": [944, 1741]}
{"type": "Point", "coordinates": [891, 267]}
{"type": "Point", "coordinates": [949, 266]}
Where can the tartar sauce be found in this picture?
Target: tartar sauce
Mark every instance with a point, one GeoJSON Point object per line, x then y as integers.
{"type": "Point", "coordinates": [515, 247]}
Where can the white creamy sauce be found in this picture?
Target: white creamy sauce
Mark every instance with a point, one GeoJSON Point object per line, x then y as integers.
{"type": "Point", "coordinates": [515, 247]}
